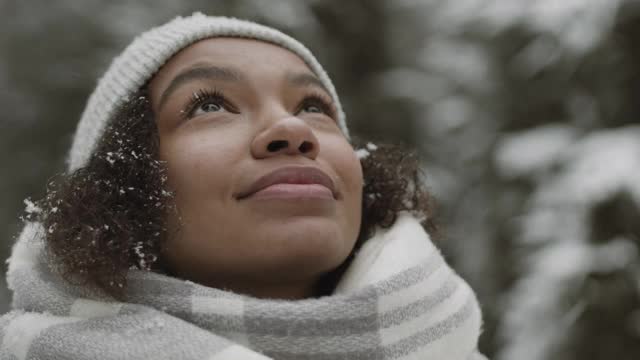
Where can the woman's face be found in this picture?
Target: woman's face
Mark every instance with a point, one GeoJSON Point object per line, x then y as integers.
{"type": "Point", "coordinates": [268, 189]}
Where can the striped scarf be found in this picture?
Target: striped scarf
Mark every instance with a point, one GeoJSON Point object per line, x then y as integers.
{"type": "Point", "coordinates": [397, 300]}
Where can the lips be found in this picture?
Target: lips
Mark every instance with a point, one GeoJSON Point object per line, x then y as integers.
{"type": "Point", "coordinates": [290, 175]}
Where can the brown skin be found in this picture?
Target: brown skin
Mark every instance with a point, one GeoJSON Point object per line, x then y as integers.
{"type": "Point", "coordinates": [215, 150]}
{"type": "Point", "coordinates": [78, 205]}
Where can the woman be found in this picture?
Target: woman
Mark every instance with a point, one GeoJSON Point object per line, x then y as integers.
{"type": "Point", "coordinates": [214, 208]}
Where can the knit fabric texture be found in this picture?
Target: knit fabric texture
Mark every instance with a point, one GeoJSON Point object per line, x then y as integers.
{"type": "Point", "coordinates": [397, 300]}
{"type": "Point", "coordinates": [149, 51]}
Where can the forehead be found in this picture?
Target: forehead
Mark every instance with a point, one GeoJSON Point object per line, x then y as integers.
{"type": "Point", "coordinates": [248, 55]}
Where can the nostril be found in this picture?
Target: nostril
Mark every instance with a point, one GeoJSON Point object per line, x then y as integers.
{"type": "Point", "coordinates": [277, 145]}
{"type": "Point", "coordinates": [305, 147]}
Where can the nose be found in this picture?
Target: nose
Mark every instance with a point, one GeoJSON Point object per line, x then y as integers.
{"type": "Point", "coordinates": [288, 136]}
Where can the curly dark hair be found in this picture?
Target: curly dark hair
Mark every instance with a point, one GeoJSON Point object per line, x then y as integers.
{"type": "Point", "coordinates": [109, 216]}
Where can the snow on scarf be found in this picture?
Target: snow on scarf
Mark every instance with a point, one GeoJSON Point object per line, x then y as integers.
{"type": "Point", "coordinates": [398, 300]}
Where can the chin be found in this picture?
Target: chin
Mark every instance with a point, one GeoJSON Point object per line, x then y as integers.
{"type": "Point", "coordinates": [309, 245]}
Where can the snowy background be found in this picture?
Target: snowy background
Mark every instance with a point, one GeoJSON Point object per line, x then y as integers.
{"type": "Point", "coordinates": [526, 114]}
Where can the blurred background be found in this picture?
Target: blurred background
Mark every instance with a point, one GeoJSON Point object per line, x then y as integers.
{"type": "Point", "coordinates": [525, 114]}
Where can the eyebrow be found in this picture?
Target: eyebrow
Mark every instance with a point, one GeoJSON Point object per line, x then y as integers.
{"type": "Point", "coordinates": [197, 72]}
{"type": "Point", "coordinates": [306, 79]}
{"type": "Point", "coordinates": [201, 71]}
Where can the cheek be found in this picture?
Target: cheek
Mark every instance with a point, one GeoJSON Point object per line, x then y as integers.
{"type": "Point", "coordinates": [202, 192]}
{"type": "Point", "coordinates": [349, 169]}
{"type": "Point", "coordinates": [354, 197]}
{"type": "Point", "coordinates": [356, 179]}
{"type": "Point", "coordinates": [185, 167]}
{"type": "Point", "coordinates": [194, 164]}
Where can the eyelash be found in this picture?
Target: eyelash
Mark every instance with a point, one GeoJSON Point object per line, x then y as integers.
{"type": "Point", "coordinates": [321, 101]}
{"type": "Point", "coordinates": [202, 96]}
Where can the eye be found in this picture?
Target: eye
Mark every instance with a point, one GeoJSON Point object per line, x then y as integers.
{"type": "Point", "coordinates": [208, 106]}
{"type": "Point", "coordinates": [206, 101]}
{"type": "Point", "coordinates": [317, 104]}
{"type": "Point", "coordinates": [312, 109]}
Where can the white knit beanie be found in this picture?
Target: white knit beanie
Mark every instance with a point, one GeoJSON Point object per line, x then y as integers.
{"type": "Point", "coordinates": [149, 51]}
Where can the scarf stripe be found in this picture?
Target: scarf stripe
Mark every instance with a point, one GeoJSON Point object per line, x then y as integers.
{"type": "Point", "coordinates": [403, 296]}
{"type": "Point", "coordinates": [396, 350]}
{"type": "Point", "coordinates": [232, 314]}
{"type": "Point", "coordinates": [258, 324]}
{"type": "Point", "coordinates": [421, 306]}
{"type": "Point", "coordinates": [415, 324]}
{"type": "Point", "coordinates": [237, 352]}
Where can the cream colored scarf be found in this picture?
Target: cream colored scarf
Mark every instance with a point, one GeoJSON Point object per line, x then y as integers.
{"type": "Point", "coordinates": [398, 300]}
